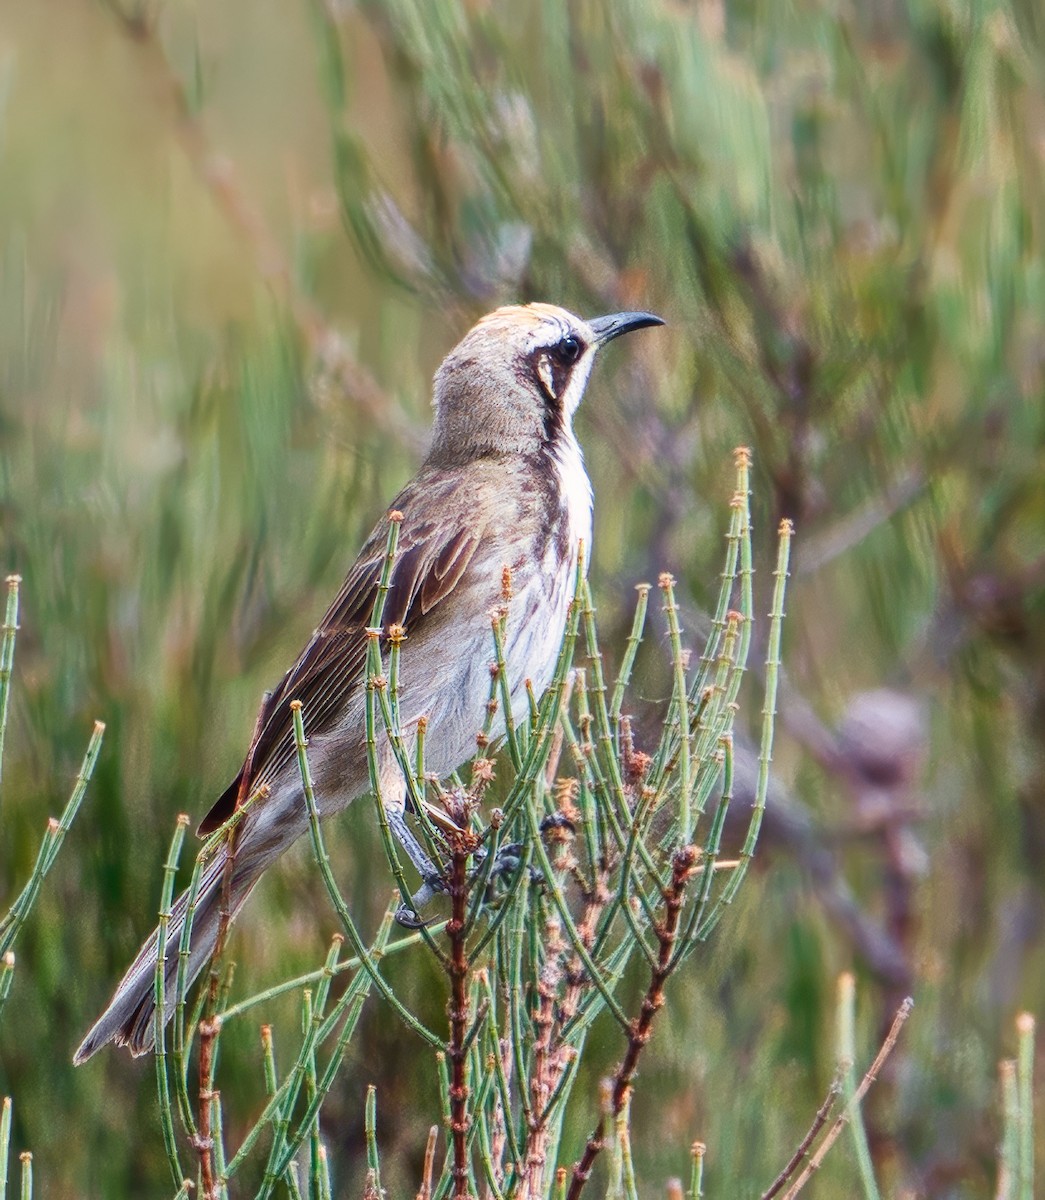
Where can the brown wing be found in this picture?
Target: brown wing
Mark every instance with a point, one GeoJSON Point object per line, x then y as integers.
{"type": "Point", "coordinates": [429, 563]}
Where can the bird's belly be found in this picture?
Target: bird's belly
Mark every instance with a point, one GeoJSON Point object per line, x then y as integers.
{"type": "Point", "coordinates": [533, 640]}
{"type": "Point", "coordinates": [447, 677]}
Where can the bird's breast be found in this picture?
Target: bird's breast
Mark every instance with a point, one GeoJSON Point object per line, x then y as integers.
{"type": "Point", "coordinates": [546, 583]}
{"type": "Point", "coordinates": [538, 514]}
{"type": "Point", "coordinates": [567, 519]}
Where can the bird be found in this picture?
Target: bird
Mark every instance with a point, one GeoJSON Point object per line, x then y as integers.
{"type": "Point", "coordinates": [503, 489]}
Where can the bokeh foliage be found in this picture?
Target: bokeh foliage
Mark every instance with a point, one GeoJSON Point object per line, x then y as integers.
{"type": "Point", "coordinates": [235, 241]}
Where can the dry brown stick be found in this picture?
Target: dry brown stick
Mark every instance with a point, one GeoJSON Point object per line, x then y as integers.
{"type": "Point", "coordinates": [536, 1152]}
{"type": "Point", "coordinates": [802, 1151]}
{"type": "Point", "coordinates": [498, 1130]}
{"type": "Point", "coordinates": [425, 1190]}
{"type": "Point", "coordinates": [204, 1140]}
{"type": "Point", "coordinates": [211, 1024]}
{"type": "Point", "coordinates": [457, 1010]}
{"type": "Point", "coordinates": [639, 1032]}
{"type": "Point", "coordinates": [871, 1075]}
{"type": "Point", "coordinates": [551, 1055]}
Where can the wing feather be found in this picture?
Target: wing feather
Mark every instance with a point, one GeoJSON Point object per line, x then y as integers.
{"type": "Point", "coordinates": [430, 563]}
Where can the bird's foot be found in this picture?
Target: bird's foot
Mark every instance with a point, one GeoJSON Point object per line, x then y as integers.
{"type": "Point", "coordinates": [508, 860]}
{"type": "Point", "coordinates": [409, 915]}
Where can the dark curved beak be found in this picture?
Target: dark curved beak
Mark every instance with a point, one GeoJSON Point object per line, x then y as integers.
{"type": "Point", "coordinates": [607, 328]}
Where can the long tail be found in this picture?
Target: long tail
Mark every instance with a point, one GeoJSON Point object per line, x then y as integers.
{"type": "Point", "coordinates": [130, 1018]}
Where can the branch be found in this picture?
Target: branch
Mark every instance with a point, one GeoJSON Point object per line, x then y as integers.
{"type": "Point", "coordinates": [832, 1135]}
{"type": "Point", "coordinates": [685, 862]}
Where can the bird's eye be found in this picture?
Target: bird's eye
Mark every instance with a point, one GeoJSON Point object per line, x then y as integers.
{"type": "Point", "coordinates": [569, 349]}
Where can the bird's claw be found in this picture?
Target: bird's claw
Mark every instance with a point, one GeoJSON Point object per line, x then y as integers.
{"type": "Point", "coordinates": [508, 860]}
{"type": "Point", "coordinates": [408, 915]}
{"type": "Point", "coordinates": [408, 918]}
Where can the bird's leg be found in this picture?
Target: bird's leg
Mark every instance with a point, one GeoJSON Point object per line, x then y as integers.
{"type": "Point", "coordinates": [393, 800]}
{"type": "Point", "coordinates": [432, 882]}
{"type": "Point", "coordinates": [510, 857]}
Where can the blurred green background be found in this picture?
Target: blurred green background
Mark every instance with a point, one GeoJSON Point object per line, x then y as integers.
{"type": "Point", "coordinates": [235, 241]}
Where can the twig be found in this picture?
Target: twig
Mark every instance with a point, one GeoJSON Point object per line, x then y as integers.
{"type": "Point", "coordinates": [698, 1152]}
{"type": "Point", "coordinates": [1008, 1148]}
{"type": "Point", "coordinates": [210, 1026]}
{"type": "Point", "coordinates": [424, 1192]}
{"type": "Point", "coordinates": [461, 846]}
{"type": "Point", "coordinates": [367, 958]}
{"type": "Point", "coordinates": [802, 1150]}
{"type": "Point", "coordinates": [203, 1142]}
{"type": "Point", "coordinates": [7, 655]}
{"type": "Point", "coordinates": [5, 1142]}
{"type": "Point", "coordinates": [51, 844]}
{"type": "Point", "coordinates": [160, 996]}
{"type": "Point", "coordinates": [834, 1132]}
{"type": "Point", "coordinates": [1024, 1083]}
{"type": "Point", "coordinates": [685, 860]}
{"type": "Point", "coordinates": [370, 1136]}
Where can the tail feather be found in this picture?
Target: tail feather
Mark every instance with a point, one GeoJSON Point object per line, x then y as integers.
{"type": "Point", "coordinates": [129, 1020]}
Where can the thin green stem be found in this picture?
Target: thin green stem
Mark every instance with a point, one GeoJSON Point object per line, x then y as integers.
{"type": "Point", "coordinates": [1025, 1088]}
{"type": "Point", "coordinates": [7, 655]}
{"type": "Point", "coordinates": [493, 1052]}
{"type": "Point", "coordinates": [347, 964]}
{"type": "Point", "coordinates": [765, 757]}
{"type": "Point", "coordinates": [51, 844]}
{"type": "Point", "coordinates": [373, 1158]}
{"type": "Point", "coordinates": [724, 759]}
{"type": "Point", "coordinates": [7, 974]}
{"type": "Point", "coordinates": [375, 681]}
{"type": "Point", "coordinates": [218, 1133]}
{"type": "Point", "coordinates": [504, 685]}
{"type": "Point", "coordinates": [680, 699]}
{"type": "Point", "coordinates": [5, 1144]}
{"type": "Point", "coordinates": [846, 1035]}
{"type": "Point", "coordinates": [307, 1017]}
{"type": "Point", "coordinates": [575, 939]}
{"type": "Point", "coordinates": [271, 1089]}
{"type": "Point", "coordinates": [280, 1106]}
{"type": "Point", "coordinates": [696, 1178]}
{"type": "Point", "coordinates": [170, 869]}
{"type": "Point", "coordinates": [737, 525]}
{"type": "Point", "coordinates": [179, 1046]}
{"type": "Point", "coordinates": [512, 976]}
{"type": "Point", "coordinates": [717, 717]}
{"type": "Point", "coordinates": [605, 740]}
{"type": "Point", "coordinates": [631, 649]}
{"type": "Point", "coordinates": [285, 1146]}
{"type": "Point", "coordinates": [323, 861]}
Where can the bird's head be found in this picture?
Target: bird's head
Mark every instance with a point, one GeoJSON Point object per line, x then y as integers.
{"type": "Point", "coordinates": [513, 383]}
